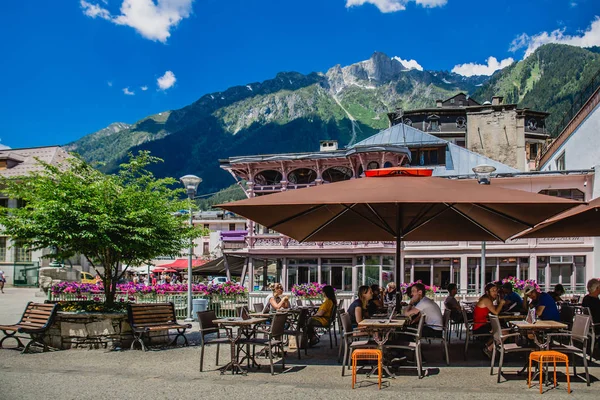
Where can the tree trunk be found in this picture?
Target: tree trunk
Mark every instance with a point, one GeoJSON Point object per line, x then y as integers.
{"type": "Point", "coordinates": [110, 286]}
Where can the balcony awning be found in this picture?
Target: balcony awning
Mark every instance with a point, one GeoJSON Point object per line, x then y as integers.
{"type": "Point", "coordinates": [217, 266]}
{"type": "Point", "coordinates": [182, 263]}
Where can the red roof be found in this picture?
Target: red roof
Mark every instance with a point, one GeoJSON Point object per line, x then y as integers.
{"type": "Point", "coordinates": [182, 263]}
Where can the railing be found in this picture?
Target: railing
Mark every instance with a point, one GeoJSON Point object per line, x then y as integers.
{"type": "Point", "coordinates": [224, 306]}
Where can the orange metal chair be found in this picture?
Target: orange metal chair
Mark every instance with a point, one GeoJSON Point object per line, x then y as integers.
{"type": "Point", "coordinates": [366, 354]}
{"type": "Point", "coordinates": [548, 356]}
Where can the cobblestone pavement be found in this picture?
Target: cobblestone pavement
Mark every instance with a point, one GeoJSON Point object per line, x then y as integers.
{"type": "Point", "coordinates": [173, 373]}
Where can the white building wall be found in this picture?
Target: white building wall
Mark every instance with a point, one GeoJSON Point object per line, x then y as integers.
{"type": "Point", "coordinates": [582, 148]}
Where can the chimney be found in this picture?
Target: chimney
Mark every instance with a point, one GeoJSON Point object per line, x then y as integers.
{"type": "Point", "coordinates": [438, 103]}
{"type": "Point", "coordinates": [328, 145]}
{"type": "Point", "coordinates": [497, 100]}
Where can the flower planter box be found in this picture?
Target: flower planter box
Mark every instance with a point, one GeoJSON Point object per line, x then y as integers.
{"type": "Point", "coordinates": [93, 330]}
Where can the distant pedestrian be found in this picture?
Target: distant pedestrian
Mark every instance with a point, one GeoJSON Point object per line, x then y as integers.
{"type": "Point", "coordinates": [2, 280]}
{"type": "Point", "coordinates": [153, 280]}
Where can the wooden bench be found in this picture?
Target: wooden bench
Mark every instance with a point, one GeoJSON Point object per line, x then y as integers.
{"type": "Point", "coordinates": [35, 321]}
{"type": "Point", "coordinates": [154, 317]}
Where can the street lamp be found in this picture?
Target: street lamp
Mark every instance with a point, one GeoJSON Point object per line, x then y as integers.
{"type": "Point", "coordinates": [191, 183]}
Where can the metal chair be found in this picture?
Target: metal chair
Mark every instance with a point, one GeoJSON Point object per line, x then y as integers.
{"type": "Point", "coordinates": [580, 334]}
{"type": "Point", "coordinates": [273, 339]}
{"type": "Point", "coordinates": [414, 346]}
{"type": "Point", "coordinates": [208, 327]}
{"type": "Point", "coordinates": [299, 332]}
{"type": "Point", "coordinates": [330, 325]}
{"type": "Point", "coordinates": [445, 334]}
{"type": "Point", "coordinates": [258, 307]}
{"type": "Point", "coordinates": [349, 340]}
{"type": "Point", "coordinates": [501, 346]}
{"type": "Point", "coordinates": [469, 332]}
{"type": "Point", "coordinates": [594, 331]}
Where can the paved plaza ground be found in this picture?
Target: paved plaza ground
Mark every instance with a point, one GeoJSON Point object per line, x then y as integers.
{"type": "Point", "coordinates": [173, 373]}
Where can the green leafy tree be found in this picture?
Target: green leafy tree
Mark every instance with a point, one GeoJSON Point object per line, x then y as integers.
{"type": "Point", "coordinates": [128, 218]}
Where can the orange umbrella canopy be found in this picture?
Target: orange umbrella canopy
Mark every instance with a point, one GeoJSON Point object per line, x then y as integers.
{"type": "Point", "coordinates": [406, 208]}
{"type": "Point", "coordinates": [583, 220]}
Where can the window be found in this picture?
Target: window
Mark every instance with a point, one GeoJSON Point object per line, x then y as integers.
{"type": "Point", "coordinates": [2, 248]}
{"type": "Point", "coordinates": [573, 194]}
{"type": "Point", "coordinates": [22, 254]}
{"type": "Point", "coordinates": [205, 248]}
{"type": "Point", "coordinates": [533, 151]}
{"type": "Point", "coordinates": [422, 157]}
{"type": "Point", "coordinates": [560, 162]}
{"type": "Point", "coordinates": [4, 203]}
{"type": "Point", "coordinates": [372, 165]}
{"type": "Point", "coordinates": [232, 227]}
{"type": "Point", "coordinates": [206, 226]}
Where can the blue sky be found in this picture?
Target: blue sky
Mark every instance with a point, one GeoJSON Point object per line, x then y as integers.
{"type": "Point", "coordinates": [71, 67]}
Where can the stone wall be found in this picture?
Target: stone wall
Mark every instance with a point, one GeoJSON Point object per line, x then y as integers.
{"type": "Point", "coordinates": [499, 135]}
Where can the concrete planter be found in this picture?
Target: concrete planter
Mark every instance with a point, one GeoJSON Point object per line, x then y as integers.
{"type": "Point", "coordinates": [93, 330]}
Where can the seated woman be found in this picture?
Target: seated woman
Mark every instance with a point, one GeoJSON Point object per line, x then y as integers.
{"type": "Point", "coordinates": [390, 293]}
{"type": "Point", "coordinates": [376, 302]}
{"type": "Point", "coordinates": [276, 301]}
{"type": "Point", "coordinates": [482, 309]}
{"type": "Point", "coordinates": [358, 308]}
{"type": "Point", "coordinates": [321, 318]}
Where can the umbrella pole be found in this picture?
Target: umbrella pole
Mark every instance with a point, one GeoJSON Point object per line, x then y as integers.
{"type": "Point", "coordinates": [398, 272]}
{"type": "Point", "coordinates": [482, 269]}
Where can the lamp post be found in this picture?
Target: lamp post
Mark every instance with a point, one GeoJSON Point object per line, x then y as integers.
{"type": "Point", "coordinates": [191, 183]}
{"type": "Point", "coordinates": [483, 173]}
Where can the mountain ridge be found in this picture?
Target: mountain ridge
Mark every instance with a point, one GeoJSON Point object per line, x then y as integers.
{"type": "Point", "coordinates": [292, 112]}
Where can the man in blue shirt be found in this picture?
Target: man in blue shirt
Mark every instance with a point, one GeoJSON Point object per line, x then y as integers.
{"type": "Point", "coordinates": [545, 307]}
{"type": "Point", "coordinates": [512, 301]}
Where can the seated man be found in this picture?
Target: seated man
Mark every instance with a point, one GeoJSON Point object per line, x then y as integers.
{"type": "Point", "coordinates": [512, 301]}
{"type": "Point", "coordinates": [452, 304]}
{"type": "Point", "coordinates": [591, 300]}
{"type": "Point", "coordinates": [545, 306]}
{"type": "Point", "coordinates": [559, 290]}
{"type": "Point", "coordinates": [419, 303]}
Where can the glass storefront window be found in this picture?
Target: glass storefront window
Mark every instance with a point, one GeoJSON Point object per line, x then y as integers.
{"type": "Point", "coordinates": [371, 260]}
{"type": "Point", "coordinates": [360, 260]}
{"type": "Point", "coordinates": [265, 273]}
{"type": "Point", "coordinates": [325, 275]}
{"type": "Point", "coordinates": [388, 260]}
{"type": "Point", "coordinates": [472, 274]}
{"type": "Point", "coordinates": [387, 275]}
{"type": "Point", "coordinates": [371, 275]}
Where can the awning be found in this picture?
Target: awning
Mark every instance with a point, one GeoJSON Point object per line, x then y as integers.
{"type": "Point", "coordinates": [182, 263]}
{"type": "Point", "coordinates": [217, 266]}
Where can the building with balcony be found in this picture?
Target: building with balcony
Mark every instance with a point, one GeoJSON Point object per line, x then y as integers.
{"type": "Point", "coordinates": [500, 131]}
{"type": "Point", "coordinates": [20, 265]}
{"type": "Point", "coordinates": [272, 257]}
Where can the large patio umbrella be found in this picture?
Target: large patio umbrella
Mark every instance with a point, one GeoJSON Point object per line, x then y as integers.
{"type": "Point", "coordinates": [583, 220]}
{"type": "Point", "coordinates": [400, 208]}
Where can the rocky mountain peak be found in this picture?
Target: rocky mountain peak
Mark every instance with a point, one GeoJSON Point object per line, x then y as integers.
{"type": "Point", "coordinates": [378, 69]}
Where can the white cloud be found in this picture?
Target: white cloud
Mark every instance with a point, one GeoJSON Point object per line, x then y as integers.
{"type": "Point", "coordinates": [153, 19]}
{"type": "Point", "coordinates": [94, 10]}
{"type": "Point", "coordinates": [492, 66]}
{"type": "Point", "coordinates": [144, 88]}
{"type": "Point", "coordinates": [388, 6]}
{"type": "Point", "coordinates": [128, 92]}
{"type": "Point", "coordinates": [109, 83]}
{"type": "Point", "coordinates": [587, 38]}
{"type": "Point", "coordinates": [166, 81]}
{"type": "Point", "coordinates": [409, 64]}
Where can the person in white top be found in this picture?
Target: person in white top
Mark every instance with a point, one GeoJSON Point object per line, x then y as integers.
{"type": "Point", "coordinates": [420, 304]}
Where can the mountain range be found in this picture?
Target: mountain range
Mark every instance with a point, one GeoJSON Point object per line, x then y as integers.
{"type": "Point", "coordinates": [293, 111]}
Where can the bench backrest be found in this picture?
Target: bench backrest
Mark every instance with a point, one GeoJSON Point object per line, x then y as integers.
{"type": "Point", "coordinates": [151, 314]}
{"type": "Point", "coordinates": [38, 315]}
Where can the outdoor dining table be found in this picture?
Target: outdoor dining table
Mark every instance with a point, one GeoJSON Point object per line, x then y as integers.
{"type": "Point", "coordinates": [380, 330]}
{"type": "Point", "coordinates": [246, 328]}
{"type": "Point", "coordinates": [538, 328]}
